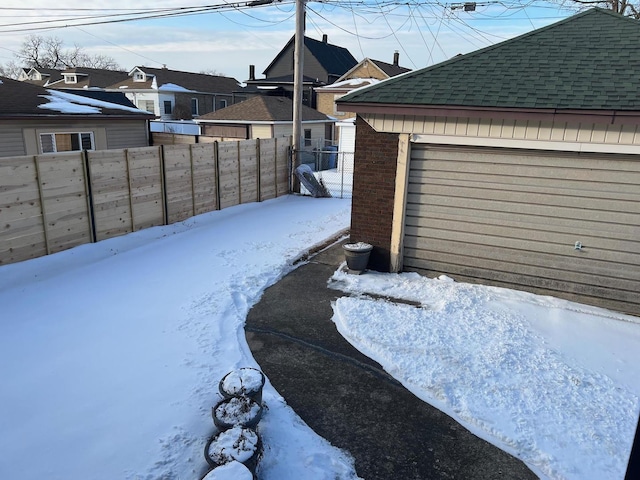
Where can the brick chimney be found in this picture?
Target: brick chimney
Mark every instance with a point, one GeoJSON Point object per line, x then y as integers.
{"type": "Point", "coordinates": [252, 72]}
{"type": "Point", "coordinates": [325, 38]}
{"type": "Point", "coordinates": [396, 58]}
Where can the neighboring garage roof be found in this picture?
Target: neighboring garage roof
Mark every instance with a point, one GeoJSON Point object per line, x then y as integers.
{"type": "Point", "coordinates": [25, 100]}
{"type": "Point", "coordinates": [263, 108]}
{"type": "Point", "coordinates": [590, 61]}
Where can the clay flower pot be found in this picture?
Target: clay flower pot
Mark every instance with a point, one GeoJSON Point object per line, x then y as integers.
{"type": "Point", "coordinates": [237, 444]}
{"type": "Point", "coordinates": [243, 382]}
{"type": "Point", "coordinates": [357, 256]}
{"type": "Point", "coordinates": [236, 411]}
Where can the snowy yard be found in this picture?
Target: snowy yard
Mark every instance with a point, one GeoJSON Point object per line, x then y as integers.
{"type": "Point", "coordinates": [110, 354]}
{"type": "Point", "coordinates": [552, 382]}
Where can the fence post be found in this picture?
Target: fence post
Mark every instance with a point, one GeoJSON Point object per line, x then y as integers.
{"type": "Point", "coordinates": [126, 157]}
{"type": "Point", "coordinates": [42, 205]}
{"type": "Point", "coordinates": [259, 170]}
{"type": "Point", "coordinates": [275, 166]}
{"type": "Point", "coordinates": [89, 192]}
{"type": "Point", "coordinates": [193, 190]}
{"type": "Point", "coordinates": [216, 166]}
{"type": "Point", "coordinates": [239, 174]}
{"type": "Point", "coordinates": [163, 173]}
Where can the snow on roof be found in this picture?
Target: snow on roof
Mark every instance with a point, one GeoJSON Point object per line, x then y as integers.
{"type": "Point", "coordinates": [351, 82]}
{"type": "Point", "coordinates": [69, 103]}
{"type": "Point", "coordinates": [172, 87]}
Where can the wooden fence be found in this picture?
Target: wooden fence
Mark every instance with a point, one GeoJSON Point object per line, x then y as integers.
{"type": "Point", "coordinates": [49, 203]}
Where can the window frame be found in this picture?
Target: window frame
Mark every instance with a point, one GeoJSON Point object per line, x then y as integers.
{"type": "Point", "coordinates": [80, 141]}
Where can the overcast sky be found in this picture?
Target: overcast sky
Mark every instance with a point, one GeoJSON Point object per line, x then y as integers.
{"type": "Point", "coordinates": [228, 40]}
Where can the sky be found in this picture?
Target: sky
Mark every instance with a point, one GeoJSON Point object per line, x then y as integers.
{"type": "Point", "coordinates": [111, 354]}
{"type": "Point", "coordinates": [233, 36]}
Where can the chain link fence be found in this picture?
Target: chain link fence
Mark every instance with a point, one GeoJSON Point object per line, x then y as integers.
{"type": "Point", "coordinates": [332, 168]}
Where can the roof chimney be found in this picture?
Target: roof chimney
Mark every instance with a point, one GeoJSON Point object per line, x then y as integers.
{"type": "Point", "coordinates": [396, 58]}
{"type": "Point", "coordinates": [325, 38]}
{"type": "Point", "coordinates": [252, 72]}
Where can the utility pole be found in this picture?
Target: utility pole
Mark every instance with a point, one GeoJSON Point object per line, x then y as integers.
{"type": "Point", "coordinates": [298, 57]}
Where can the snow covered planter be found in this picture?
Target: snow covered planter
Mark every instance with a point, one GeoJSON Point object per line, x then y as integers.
{"type": "Point", "coordinates": [357, 256]}
{"type": "Point", "coordinates": [236, 411]}
{"type": "Point", "coordinates": [245, 382]}
{"type": "Point", "coordinates": [232, 470]}
{"type": "Point", "coordinates": [236, 444]}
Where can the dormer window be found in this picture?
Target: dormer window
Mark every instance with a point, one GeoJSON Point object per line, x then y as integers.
{"type": "Point", "coordinates": [70, 78]}
{"type": "Point", "coordinates": [139, 77]}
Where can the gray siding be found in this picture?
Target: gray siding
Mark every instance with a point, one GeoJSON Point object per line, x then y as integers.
{"type": "Point", "coordinates": [11, 141]}
{"type": "Point", "coordinates": [513, 217]}
{"type": "Point", "coordinates": [127, 135]}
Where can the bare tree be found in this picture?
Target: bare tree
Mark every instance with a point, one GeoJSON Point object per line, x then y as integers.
{"type": "Point", "coordinates": [10, 70]}
{"type": "Point", "coordinates": [623, 7]}
{"type": "Point", "coordinates": [49, 52]}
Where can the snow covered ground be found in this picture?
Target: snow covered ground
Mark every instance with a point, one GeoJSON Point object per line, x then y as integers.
{"type": "Point", "coordinates": [110, 354]}
{"type": "Point", "coordinates": [552, 382]}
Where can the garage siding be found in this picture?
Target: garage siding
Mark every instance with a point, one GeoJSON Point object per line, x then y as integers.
{"type": "Point", "coordinates": [127, 135]}
{"type": "Point", "coordinates": [513, 217]}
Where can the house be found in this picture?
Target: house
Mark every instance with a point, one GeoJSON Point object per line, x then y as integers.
{"type": "Point", "coordinates": [515, 165]}
{"type": "Point", "coordinates": [35, 120]}
{"type": "Point", "coordinates": [40, 76]}
{"type": "Point", "coordinates": [266, 117]}
{"type": "Point", "coordinates": [323, 64]}
{"type": "Point", "coordinates": [365, 73]}
{"type": "Point", "coordinates": [176, 95]}
{"type": "Point", "coordinates": [77, 78]}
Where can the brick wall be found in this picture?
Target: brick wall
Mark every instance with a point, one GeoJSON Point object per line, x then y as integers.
{"type": "Point", "coordinates": [374, 179]}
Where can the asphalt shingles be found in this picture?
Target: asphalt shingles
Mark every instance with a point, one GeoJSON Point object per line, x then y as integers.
{"type": "Point", "coordinates": [588, 61]}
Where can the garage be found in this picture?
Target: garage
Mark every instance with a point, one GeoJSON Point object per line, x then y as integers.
{"type": "Point", "coordinates": [561, 223]}
{"type": "Point", "coordinates": [514, 165]}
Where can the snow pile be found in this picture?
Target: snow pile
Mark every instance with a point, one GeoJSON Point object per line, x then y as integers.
{"type": "Point", "coordinates": [111, 353]}
{"type": "Point", "coordinates": [550, 381]}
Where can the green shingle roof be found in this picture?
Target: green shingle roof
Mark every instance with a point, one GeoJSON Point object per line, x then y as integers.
{"type": "Point", "coordinates": [588, 61]}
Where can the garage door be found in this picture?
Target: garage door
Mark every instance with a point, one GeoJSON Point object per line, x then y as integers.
{"type": "Point", "coordinates": [549, 222]}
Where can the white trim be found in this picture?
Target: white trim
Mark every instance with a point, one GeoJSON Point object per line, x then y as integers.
{"type": "Point", "coordinates": [527, 144]}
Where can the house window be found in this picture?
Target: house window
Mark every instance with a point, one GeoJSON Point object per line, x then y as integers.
{"type": "Point", "coordinates": [223, 103]}
{"type": "Point", "coordinates": [194, 106]}
{"type": "Point", "coordinates": [307, 137]}
{"type": "Point", "coordinates": [147, 105]}
{"type": "Point", "coordinates": [70, 79]}
{"type": "Point", "coordinates": [138, 77]}
{"type": "Point", "coordinates": [167, 107]}
{"type": "Point", "coordinates": [66, 142]}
